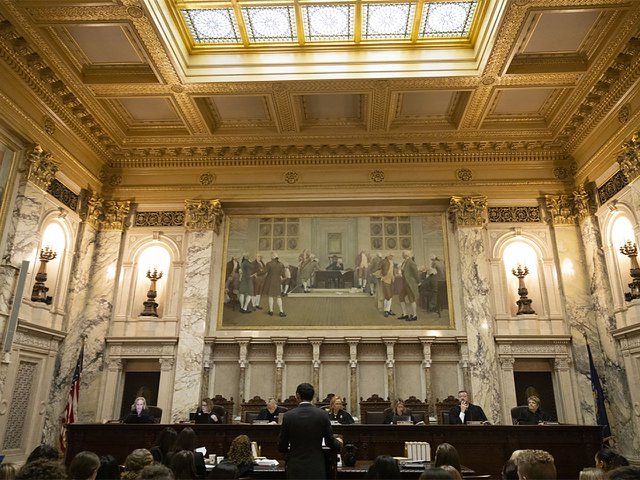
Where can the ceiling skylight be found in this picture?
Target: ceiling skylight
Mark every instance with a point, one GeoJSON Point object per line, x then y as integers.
{"type": "Point", "coordinates": [260, 22]}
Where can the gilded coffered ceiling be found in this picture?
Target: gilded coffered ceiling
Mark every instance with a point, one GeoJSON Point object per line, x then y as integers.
{"type": "Point", "coordinates": [524, 90]}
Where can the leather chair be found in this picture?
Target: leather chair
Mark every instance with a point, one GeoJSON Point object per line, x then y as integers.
{"type": "Point", "coordinates": [375, 417]}
{"type": "Point", "coordinates": [249, 417]}
{"type": "Point", "coordinates": [516, 411]}
{"type": "Point", "coordinates": [156, 413]}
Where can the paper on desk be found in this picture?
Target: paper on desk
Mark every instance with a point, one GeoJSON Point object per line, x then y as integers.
{"type": "Point", "coordinates": [266, 462]}
{"type": "Point", "coordinates": [202, 450]}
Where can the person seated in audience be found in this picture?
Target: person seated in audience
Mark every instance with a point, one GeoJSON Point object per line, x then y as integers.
{"type": "Point", "coordinates": [592, 473]}
{"type": "Point", "coordinates": [337, 413]}
{"type": "Point", "coordinates": [109, 468]}
{"type": "Point", "coordinates": [183, 465]}
{"type": "Point", "coordinates": [240, 455]}
{"type": "Point", "coordinates": [271, 411]}
{"type": "Point", "coordinates": [42, 469]}
{"type": "Point", "coordinates": [384, 467]}
{"type": "Point", "coordinates": [43, 450]}
{"type": "Point", "coordinates": [84, 466]}
{"type": "Point", "coordinates": [624, 473]}
{"type": "Point", "coordinates": [608, 459]}
{"type": "Point", "coordinates": [453, 473]}
{"type": "Point", "coordinates": [156, 472]}
{"type": "Point", "coordinates": [186, 440]}
{"type": "Point", "coordinates": [465, 411]}
{"type": "Point", "coordinates": [446, 454]}
{"type": "Point", "coordinates": [135, 462]}
{"type": "Point", "coordinates": [209, 413]}
{"type": "Point", "coordinates": [165, 440]}
{"type": "Point", "coordinates": [434, 473]}
{"type": "Point", "coordinates": [532, 415]}
{"type": "Point", "coordinates": [139, 412]}
{"type": "Point", "coordinates": [398, 413]}
{"type": "Point", "coordinates": [536, 465]}
{"type": "Point", "coordinates": [510, 470]}
{"type": "Point", "coordinates": [223, 470]}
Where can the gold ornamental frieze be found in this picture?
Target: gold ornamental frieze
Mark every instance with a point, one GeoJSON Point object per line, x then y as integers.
{"type": "Point", "coordinates": [468, 211]}
{"type": "Point", "coordinates": [203, 215]}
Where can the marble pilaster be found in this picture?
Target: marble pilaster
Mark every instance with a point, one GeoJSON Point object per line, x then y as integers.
{"type": "Point", "coordinates": [390, 364]}
{"type": "Point", "coordinates": [315, 363]}
{"type": "Point", "coordinates": [243, 363]}
{"type": "Point", "coordinates": [598, 325]}
{"type": "Point", "coordinates": [353, 376]}
{"type": "Point", "coordinates": [195, 308]}
{"type": "Point", "coordinates": [426, 365]}
{"type": "Point", "coordinates": [468, 215]}
{"type": "Point", "coordinates": [279, 343]}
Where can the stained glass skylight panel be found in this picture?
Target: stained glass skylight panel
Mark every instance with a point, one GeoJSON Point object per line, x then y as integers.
{"type": "Point", "coordinates": [270, 24]}
{"type": "Point", "coordinates": [328, 22]}
{"type": "Point", "coordinates": [448, 19]}
{"type": "Point", "coordinates": [385, 21]}
{"type": "Point", "coordinates": [212, 25]}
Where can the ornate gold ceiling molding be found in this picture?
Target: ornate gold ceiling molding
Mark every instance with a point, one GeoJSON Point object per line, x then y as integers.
{"type": "Point", "coordinates": [569, 209]}
{"type": "Point", "coordinates": [468, 211]}
{"type": "Point", "coordinates": [104, 214]}
{"type": "Point", "coordinates": [42, 168]}
{"type": "Point", "coordinates": [203, 215]}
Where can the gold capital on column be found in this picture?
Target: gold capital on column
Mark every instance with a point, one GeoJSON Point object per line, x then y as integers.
{"type": "Point", "coordinates": [468, 211]}
{"type": "Point", "coordinates": [629, 159]}
{"type": "Point", "coordinates": [203, 215]}
{"type": "Point", "coordinates": [568, 209]}
{"type": "Point", "coordinates": [106, 214]}
{"type": "Point", "coordinates": [42, 168]}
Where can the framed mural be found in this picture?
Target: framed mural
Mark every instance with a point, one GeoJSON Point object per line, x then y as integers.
{"type": "Point", "coordinates": [336, 271]}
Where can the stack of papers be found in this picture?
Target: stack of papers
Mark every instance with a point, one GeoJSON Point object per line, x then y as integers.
{"type": "Point", "coordinates": [266, 462]}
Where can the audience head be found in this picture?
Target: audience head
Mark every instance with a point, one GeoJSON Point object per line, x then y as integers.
{"type": "Point", "coordinates": [224, 470]}
{"type": "Point", "coordinates": [7, 471]}
{"type": "Point", "coordinates": [136, 461]}
{"type": "Point", "coordinates": [42, 469]}
{"type": "Point", "coordinates": [109, 469]}
{"type": "Point", "coordinates": [591, 473]}
{"type": "Point", "coordinates": [535, 465]}
{"type": "Point", "coordinates": [446, 454]}
{"type": "Point", "coordinates": [305, 392]}
{"type": "Point", "coordinates": [623, 473]}
{"type": "Point", "coordinates": [240, 450]}
{"type": "Point", "coordinates": [206, 405]}
{"type": "Point", "coordinates": [453, 473]}
{"type": "Point", "coordinates": [166, 438]}
{"type": "Point", "coordinates": [139, 405]}
{"type": "Point", "coordinates": [156, 471]}
{"type": "Point", "coordinates": [183, 465]}
{"type": "Point", "coordinates": [384, 467]}
{"type": "Point", "coordinates": [533, 403]}
{"type": "Point", "coordinates": [43, 451]}
{"type": "Point", "coordinates": [186, 440]}
{"type": "Point", "coordinates": [84, 466]}
{"type": "Point", "coordinates": [434, 473]}
{"type": "Point", "coordinates": [608, 459]}
{"type": "Point", "coordinates": [510, 470]}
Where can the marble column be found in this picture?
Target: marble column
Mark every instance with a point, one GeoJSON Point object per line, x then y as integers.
{"type": "Point", "coordinates": [315, 362]}
{"type": "Point", "coordinates": [426, 365]}
{"type": "Point", "coordinates": [390, 366]}
{"type": "Point", "coordinates": [202, 222]}
{"type": "Point", "coordinates": [165, 386]}
{"type": "Point", "coordinates": [279, 343]}
{"type": "Point", "coordinates": [206, 373]}
{"type": "Point", "coordinates": [111, 410]}
{"type": "Point", "coordinates": [242, 378]}
{"type": "Point", "coordinates": [468, 216]}
{"type": "Point", "coordinates": [92, 291]}
{"type": "Point", "coordinates": [508, 384]}
{"type": "Point", "coordinates": [353, 376]}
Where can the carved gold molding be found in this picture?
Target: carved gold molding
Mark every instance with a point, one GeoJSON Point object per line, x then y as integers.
{"type": "Point", "coordinates": [569, 209]}
{"type": "Point", "coordinates": [106, 215]}
{"type": "Point", "coordinates": [42, 168]}
{"type": "Point", "coordinates": [468, 211]}
{"type": "Point", "coordinates": [629, 159]}
{"type": "Point", "coordinates": [203, 215]}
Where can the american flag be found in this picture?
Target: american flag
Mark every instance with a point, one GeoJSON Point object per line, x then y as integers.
{"type": "Point", "coordinates": [71, 408]}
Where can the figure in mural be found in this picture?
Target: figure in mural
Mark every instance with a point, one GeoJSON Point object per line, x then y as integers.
{"type": "Point", "coordinates": [258, 281]}
{"type": "Point", "coordinates": [336, 264]}
{"type": "Point", "coordinates": [286, 281]}
{"type": "Point", "coordinates": [362, 269]}
{"type": "Point", "coordinates": [386, 281]}
{"type": "Point", "coordinates": [307, 271]}
{"type": "Point", "coordinates": [274, 274]}
{"type": "Point", "coordinates": [245, 285]}
{"type": "Point", "coordinates": [232, 280]}
{"type": "Point", "coordinates": [374, 273]}
{"type": "Point", "coordinates": [409, 292]}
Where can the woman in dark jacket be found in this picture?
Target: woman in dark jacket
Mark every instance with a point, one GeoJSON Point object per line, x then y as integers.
{"type": "Point", "coordinates": [139, 412]}
{"type": "Point", "coordinates": [240, 455]}
{"type": "Point", "coordinates": [186, 440]}
{"type": "Point", "coordinates": [533, 415]}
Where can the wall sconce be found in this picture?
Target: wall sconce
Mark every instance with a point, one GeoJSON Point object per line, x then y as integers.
{"type": "Point", "coordinates": [524, 303]}
{"type": "Point", "coordinates": [150, 305]}
{"type": "Point", "coordinates": [631, 250]}
{"type": "Point", "coordinates": [39, 292]}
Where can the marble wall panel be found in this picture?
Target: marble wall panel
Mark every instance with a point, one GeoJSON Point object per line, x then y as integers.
{"type": "Point", "coordinates": [295, 373]}
{"type": "Point", "coordinates": [261, 380]}
{"type": "Point", "coordinates": [444, 379]}
{"type": "Point", "coordinates": [225, 379]}
{"type": "Point", "coordinates": [409, 379]}
{"type": "Point", "coordinates": [373, 379]}
{"type": "Point", "coordinates": [334, 378]}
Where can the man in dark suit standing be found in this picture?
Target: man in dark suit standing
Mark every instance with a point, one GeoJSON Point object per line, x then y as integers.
{"type": "Point", "coordinates": [466, 411]}
{"type": "Point", "coordinates": [301, 435]}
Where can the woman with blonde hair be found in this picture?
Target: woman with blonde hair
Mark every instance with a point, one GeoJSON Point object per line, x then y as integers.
{"type": "Point", "coordinates": [337, 413]}
{"type": "Point", "coordinates": [533, 415]}
{"type": "Point", "coordinates": [139, 412]}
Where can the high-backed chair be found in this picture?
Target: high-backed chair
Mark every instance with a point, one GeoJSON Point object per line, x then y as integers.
{"type": "Point", "coordinates": [418, 408]}
{"type": "Point", "coordinates": [443, 407]}
{"type": "Point", "coordinates": [289, 403]}
{"type": "Point", "coordinates": [372, 409]}
{"type": "Point", "coordinates": [227, 408]}
{"type": "Point", "coordinates": [516, 412]}
{"type": "Point", "coordinates": [254, 405]}
{"type": "Point", "coordinates": [156, 413]}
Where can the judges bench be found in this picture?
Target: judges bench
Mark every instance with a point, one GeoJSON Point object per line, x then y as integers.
{"type": "Point", "coordinates": [483, 448]}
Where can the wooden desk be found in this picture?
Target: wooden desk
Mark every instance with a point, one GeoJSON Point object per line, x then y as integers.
{"type": "Point", "coordinates": [483, 449]}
